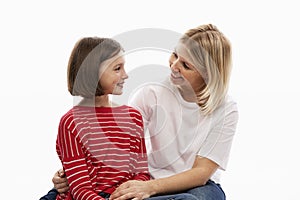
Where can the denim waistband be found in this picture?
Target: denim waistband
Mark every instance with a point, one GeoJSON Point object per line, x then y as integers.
{"type": "Point", "coordinates": [104, 195]}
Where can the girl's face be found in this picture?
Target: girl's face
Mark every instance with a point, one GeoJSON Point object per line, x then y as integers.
{"type": "Point", "coordinates": [112, 75]}
{"type": "Point", "coordinates": [184, 72]}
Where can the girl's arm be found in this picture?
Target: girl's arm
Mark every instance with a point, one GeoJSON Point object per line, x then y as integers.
{"type": "Point", "coordinates": [74, 163]}
{"type": "Point", "coordinates": [139, 164]}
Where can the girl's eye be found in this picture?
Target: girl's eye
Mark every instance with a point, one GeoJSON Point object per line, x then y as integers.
{"type": "Point", "coordinates": [118, 68]}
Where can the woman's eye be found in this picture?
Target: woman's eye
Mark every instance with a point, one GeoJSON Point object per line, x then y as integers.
{"type": "Point", "coordinates": [185, 66]}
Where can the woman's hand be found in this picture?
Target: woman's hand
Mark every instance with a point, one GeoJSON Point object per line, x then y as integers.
{"type": "Point", "coordinates": [60, 181]}
{"type": "Point", "coordinates": [135, 190]}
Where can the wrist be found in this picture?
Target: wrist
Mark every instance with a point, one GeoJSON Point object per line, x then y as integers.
{"type": "Point", "coordinates": [154, 187]}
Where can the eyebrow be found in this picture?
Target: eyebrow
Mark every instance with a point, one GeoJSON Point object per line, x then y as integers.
{"type": "Point", "coordinates": [184, 60]}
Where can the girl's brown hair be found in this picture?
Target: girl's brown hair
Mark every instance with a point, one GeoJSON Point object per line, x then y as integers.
{"type": "Point", "coordinates": [84, 64]}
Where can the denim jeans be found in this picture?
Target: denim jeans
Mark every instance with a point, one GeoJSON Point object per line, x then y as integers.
{"type": "Point", "coordinates": [180, 196]}
{"type": "Point", "coordinates": [210, 191]}
{"type": "Point", "coordinates": [104, 195]}
{"type": "Point", "coordinates": [51, 195]}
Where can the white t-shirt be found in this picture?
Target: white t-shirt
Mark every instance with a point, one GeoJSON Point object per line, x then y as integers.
{"type": "Point", "coordinates": [176, 131]}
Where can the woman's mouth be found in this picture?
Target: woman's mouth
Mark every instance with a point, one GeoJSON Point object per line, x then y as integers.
{"type": "Point", "coordinates": [176, 76]}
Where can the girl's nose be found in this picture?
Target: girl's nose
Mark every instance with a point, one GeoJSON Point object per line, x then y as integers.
{"type": "Point", "coordinates": [125, 75]}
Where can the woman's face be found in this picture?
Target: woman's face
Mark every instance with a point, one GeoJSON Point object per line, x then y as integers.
{"type": "Point", "coordinates": [112, 75]}
{"type": "Point", "coordinates": [184, 72]}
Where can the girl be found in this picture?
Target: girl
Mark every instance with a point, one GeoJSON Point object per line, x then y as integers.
{"type": "Point", "coordinates": [99, 143]}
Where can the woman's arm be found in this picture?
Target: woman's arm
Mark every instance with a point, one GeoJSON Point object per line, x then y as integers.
{"type": "Point", "coordinates": [200, 173]}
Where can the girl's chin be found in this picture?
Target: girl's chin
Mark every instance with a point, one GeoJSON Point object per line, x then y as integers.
{"type": "Point", "coordinates": [119, 92]}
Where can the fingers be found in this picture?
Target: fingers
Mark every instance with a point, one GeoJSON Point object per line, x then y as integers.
{"type": "Point", "coordinates": [60, 181]}
{"type": "Point", "coordinates": [130, 190]}
{"type": "Point", "coordinates": [57, 179]}
{"type": "Point", "coordinates": [136, 198]}
{"type": "Point", "coordinates": [62, 187]}
{"type": "Point", "coordinates": [61, 173]}
{"type": "Point", "coordinates": [122, 196]}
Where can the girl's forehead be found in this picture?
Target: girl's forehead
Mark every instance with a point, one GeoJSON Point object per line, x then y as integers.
{"type": "Point", "coordinates": [111, 62]}
{"type": "Point", "coordinates": [116, 58]}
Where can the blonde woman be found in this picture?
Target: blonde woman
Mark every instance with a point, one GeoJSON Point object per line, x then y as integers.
{"type": "Point", "coordinates": [191, 122]}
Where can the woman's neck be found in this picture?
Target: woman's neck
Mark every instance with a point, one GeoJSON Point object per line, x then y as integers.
{"type": "Point", "coordinates": [188, 95]}
{"type": "Point", "coordinates": [98, 101]}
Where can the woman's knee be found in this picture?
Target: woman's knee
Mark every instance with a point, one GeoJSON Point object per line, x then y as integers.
{"type": "Point", "coordinates": [210, 191]}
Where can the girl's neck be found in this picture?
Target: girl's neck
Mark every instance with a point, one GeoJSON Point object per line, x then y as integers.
{"type": "Point", "coordinates": [98, 101]}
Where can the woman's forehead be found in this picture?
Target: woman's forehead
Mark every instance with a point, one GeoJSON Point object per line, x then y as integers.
{"type": "Point", "coordinates": [183, 51]}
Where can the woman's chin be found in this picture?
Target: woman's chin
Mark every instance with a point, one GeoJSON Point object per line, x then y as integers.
{"type": "Point", "coordinates": [177, 81]}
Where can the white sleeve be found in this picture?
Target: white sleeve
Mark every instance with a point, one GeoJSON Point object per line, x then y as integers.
{"type": "Point", "coordinates": [218, 143]}
{"type": "Point", "coordinates": [142, 99]}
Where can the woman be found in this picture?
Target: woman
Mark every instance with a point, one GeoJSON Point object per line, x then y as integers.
{"type": "Point", "coordinates": [191, 121]}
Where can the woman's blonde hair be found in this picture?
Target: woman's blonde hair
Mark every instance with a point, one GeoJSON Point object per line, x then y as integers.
{"type": "Point", "coordinates": [210, 51]}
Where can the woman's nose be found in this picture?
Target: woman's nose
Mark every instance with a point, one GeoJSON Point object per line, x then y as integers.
{"type": "Point", "coordinates": [173, 63]}
{"type": "Point", "coordinates": [174, 66]}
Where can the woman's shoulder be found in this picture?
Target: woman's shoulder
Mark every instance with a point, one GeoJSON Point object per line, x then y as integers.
{"type": "Point", "coordinates": [228, 107]}
{"type": "Point", "coordinates": [230, 102]}
{"type": "Point", "coordinates": [152, 91]}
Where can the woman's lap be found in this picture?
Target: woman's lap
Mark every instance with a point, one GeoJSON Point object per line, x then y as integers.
{"type": "Point", "coordinates": [180, 196]}
{"type": "Point", "coordinates": [210, 191]}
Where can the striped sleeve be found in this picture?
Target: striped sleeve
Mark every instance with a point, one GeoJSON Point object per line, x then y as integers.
{"type": "Point", "coordinates": [140, 160]}
{"type": "Point", "coordinates": [70, 152]}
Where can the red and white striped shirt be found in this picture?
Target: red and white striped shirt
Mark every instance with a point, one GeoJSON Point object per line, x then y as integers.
{"type": "Point", "coordinates": [101, 148]}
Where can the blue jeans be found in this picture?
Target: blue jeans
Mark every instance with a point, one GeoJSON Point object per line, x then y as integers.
{"type": "Point", "coordinates": [51, 195]}
{"type": "Point", "coordinates": [210, 191]}
{"type": "Point", "coordinates": [180, 196]}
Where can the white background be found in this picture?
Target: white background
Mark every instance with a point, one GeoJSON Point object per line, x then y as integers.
{"type": "Point", "coordinates": [38, 36]}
